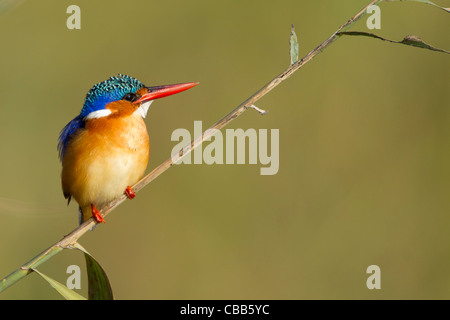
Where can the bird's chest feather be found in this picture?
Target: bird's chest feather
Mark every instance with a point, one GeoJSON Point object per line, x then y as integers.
{"type": "Point", "coordinates": [106, 157]}
{"type": "Point", "coordinates": [118, 137]}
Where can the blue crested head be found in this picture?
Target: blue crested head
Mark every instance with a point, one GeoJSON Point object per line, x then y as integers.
{"type": "Point", "coordinates": [108, 91]}
{"type": "Point", "coordinates": [112, 89]}
{"type": "Point", "coordinates": [119, 88]}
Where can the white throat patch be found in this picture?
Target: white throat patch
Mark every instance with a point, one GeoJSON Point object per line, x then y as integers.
{"type": "Point", "coordinates": [98, 114]}
{"type": "Point", "coordinates": [142, 110]}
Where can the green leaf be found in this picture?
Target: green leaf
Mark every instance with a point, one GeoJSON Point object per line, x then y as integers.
{"type": "Point", "coordinates": [293, 46]}
{"type": "Point", "coordinates": [8, 5]}
{"type": "Point", "coordinates": [67, 293]}
{"type": "Point", "coordinates": [417, 42]}
{"type": "Point", "coordinates": [424, 1]}
{"type": "Point", "coordinates": [99, 287]}
{"type": "Point", "coordinates": [410, 40]}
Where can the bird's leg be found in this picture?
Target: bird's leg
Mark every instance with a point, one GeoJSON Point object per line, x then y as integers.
{"type": "Point", "coordinates": [96, 214]}
{"type": "Point", "coordinates": [130, 193]}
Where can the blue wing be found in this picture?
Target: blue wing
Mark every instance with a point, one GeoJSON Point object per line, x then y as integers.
{"type": "Point", "coordinates": [64, 137]}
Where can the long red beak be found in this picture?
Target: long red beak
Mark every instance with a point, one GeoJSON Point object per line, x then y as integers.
{"type": "Point", "coordinates": [164, 91]}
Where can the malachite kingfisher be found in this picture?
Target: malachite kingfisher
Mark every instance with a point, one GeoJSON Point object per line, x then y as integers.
{"type": "Point", "coordinates": [105, 149]}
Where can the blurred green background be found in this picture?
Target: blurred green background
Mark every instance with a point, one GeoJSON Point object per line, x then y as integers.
{"type": "Point", "coordinates": [364, 173]}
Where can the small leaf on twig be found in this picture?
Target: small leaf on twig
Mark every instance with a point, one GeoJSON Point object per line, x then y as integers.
{"type": "Point", "coordinates": [293, 46]}
{"type": "Point", "coordinates": [67, 293]}
{"type": "Point", "coordinates": [410, 40]}
{"type": "Point", "coordinates": [99, 287]}
{"type": "Point", "coordinates": [414, 41]}
{"type": "Point", "coordinates": [424, 1]}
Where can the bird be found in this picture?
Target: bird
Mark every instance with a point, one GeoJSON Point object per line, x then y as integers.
{"type": "Point", "coordinates": [105, 149]}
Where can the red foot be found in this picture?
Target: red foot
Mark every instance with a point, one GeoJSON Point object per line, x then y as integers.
{"type": "Point", "coordinates": [130, 193]}
{"type": "Point", "coordinates": [96, 214]}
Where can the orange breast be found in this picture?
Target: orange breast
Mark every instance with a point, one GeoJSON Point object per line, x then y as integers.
{"type": "Point", "coordinates": [101, 160]}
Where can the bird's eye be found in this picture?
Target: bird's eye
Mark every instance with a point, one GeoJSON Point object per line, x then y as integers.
{"type": "Point", "coordinates": [130, 97]}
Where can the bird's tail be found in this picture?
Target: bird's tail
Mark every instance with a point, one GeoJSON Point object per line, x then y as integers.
{"type": "Point", "coordinates": [84, 213]}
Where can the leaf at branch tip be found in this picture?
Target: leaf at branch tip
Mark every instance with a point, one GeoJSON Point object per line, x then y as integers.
{"type": "Point", "coordinates": [293, 46]}
{"type": "Point", "coordinates": [8, 5]}
{"type": "Point", "coordinates": [410, 40]}
{"type": "Point", "coordinates": [99, 287]}
{"type": "Point", "coordinates": [67, 293]}
{"type": "Point", "coordinates": [424, 1]}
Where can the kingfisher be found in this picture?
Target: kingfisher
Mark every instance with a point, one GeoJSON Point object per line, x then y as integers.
{"type": "Point", "coordinates": [105, 149]}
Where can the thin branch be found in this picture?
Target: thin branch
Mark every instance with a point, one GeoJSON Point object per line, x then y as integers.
{"type": "Point", "coordinates": [69, 240]}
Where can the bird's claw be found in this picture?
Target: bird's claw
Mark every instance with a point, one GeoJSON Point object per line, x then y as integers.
{"type": "Point", "coordinates": [97, 215]}
{"type": "Point", "coordinates": [130, 193]}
